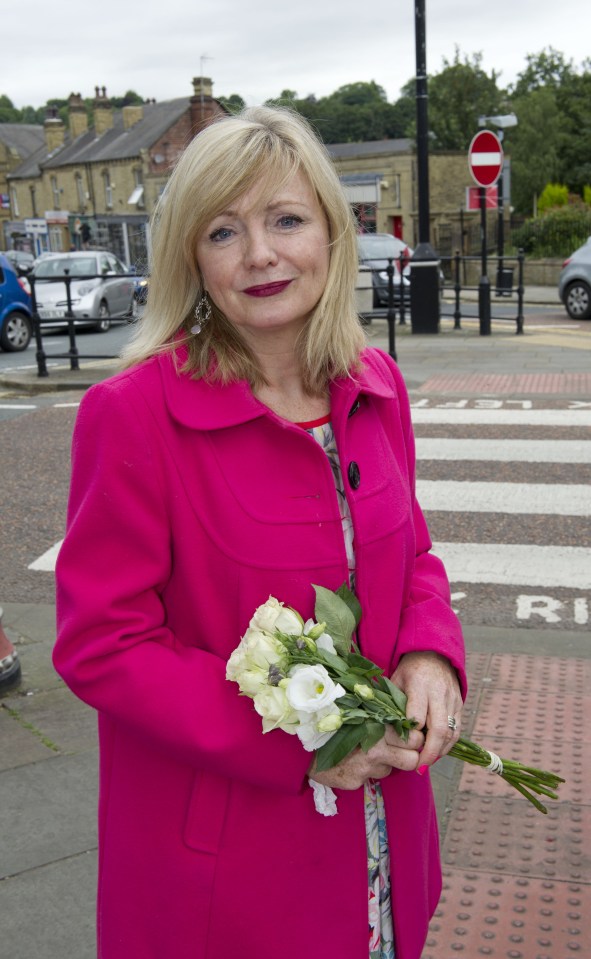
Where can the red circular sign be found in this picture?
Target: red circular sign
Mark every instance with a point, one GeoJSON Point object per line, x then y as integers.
{"type": "Point", "coordinates": [485, 158]}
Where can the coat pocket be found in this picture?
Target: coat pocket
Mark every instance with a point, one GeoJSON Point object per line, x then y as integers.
{"type": "Point", "coordinates": [206, 812]}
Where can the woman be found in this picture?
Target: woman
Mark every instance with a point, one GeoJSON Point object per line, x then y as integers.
{"type": "Point", "coordinates": [204, 481]}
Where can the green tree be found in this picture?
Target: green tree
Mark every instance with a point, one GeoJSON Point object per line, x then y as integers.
{"type": "Point", "coordinates": [547, 69]}
{"type": "Point", "coordinates": [234, 103]}
{"type": "Point", "coordinates": [533, 147]}
{"type": "Point", "coordinates": [458, 95]}
{"type": "Point", "coordinates": [8, 112]}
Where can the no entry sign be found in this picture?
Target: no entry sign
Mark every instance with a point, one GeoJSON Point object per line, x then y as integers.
{"type": "Point", "coordinates": [485, 158]}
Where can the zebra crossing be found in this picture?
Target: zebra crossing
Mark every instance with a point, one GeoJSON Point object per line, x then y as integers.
{"type": "Point", "coordinates": [506, 489]}
{"type": "Point", "coordinates": [541, 578]}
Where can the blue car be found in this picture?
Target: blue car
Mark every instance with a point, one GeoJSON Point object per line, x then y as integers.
{"type": "Point", "coordinates": [15, 309]}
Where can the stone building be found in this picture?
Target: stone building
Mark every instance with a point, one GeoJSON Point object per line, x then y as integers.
{"type": "Point", "coordinates": [98, 185]}
{"type": "Point", "coordinates": [17, 142]}
{"type": "Point", "coordinates": [380, 180]}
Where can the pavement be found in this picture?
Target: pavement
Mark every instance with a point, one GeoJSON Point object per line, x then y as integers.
{"type": "Point", "coordinates": [517, 884]}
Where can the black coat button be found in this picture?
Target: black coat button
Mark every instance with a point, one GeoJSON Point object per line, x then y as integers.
{"type": "Point", "coordinates": [354, 475]}
{"type": "Point", "coordinates": [354, 408]}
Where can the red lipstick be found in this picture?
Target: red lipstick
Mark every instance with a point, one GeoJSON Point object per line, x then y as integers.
{"type": "Point", "coordinates": [267, 289]}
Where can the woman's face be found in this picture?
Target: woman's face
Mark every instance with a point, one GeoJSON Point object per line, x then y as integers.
{"type": "Point", "coordinates": [264, 263]}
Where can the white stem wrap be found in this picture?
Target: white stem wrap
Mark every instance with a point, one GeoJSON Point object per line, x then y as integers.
{"type": "Point", "coordinates": [325, 800]}
{"type": "Point", "coordinates": [496, 764]}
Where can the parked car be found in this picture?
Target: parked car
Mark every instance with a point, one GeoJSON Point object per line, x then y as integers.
{"type": "Point", "coordinates": [103, 291]}
{"type": "Point", "coordinates": [574, 283]}
{"type": "Point", "coordinates": [15, 309]}
{"type": "Point", "coordinates": [21, 261]}
{"type": "Point", "coordinates": [375, 249]}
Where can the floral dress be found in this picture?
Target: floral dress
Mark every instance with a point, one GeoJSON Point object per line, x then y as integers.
{"type": "Point", "coordinates": [381, 932]}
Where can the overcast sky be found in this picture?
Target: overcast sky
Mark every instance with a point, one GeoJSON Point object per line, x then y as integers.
{"type": "Point", "coordinates": [260, 47]}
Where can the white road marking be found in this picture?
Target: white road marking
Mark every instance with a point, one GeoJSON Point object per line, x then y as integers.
{"type": "Point", "coordinates": [517, 565]}
{"type": "Point", "coordinates": [18, 406]}
{"type": "Point", "coordinates": [504, 450]}
{"type": "Point", "coordinates": [547, 498]}
{"type": "Point", "coordinates": [500, 417]}
{"type": "Point", "coordinates": [46, 562]}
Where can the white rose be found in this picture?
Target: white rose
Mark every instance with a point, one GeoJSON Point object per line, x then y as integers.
{"type": "Point", "coordinates": [310, 732]}
{"type": "Point", "coordinates": [252, 681]}
{"type": "Point", "coordinates": [262, 650]}
{"type": "Point", "coordinates": [273, 615]}
{"type": "Point", "coordinates": [236, 664]}
{"type": "Point", "coordinates": [311, 689]}
{"type": "Point", "coordinates": [272, 705]}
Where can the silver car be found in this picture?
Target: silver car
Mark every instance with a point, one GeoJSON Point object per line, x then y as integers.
{"type": "Point", "coordinates": [101, 288]}
{"type": "Point", "coordinates": [574, 284]}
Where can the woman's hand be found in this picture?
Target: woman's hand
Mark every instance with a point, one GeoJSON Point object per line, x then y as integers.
{"type": "Point", "coordinates": [433, 691]}
{"type": "Point", "coordinates": [391, 752]}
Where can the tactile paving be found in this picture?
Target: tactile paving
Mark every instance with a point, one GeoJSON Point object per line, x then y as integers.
{"type": "Point", "coordinates": [517, 884]}
{"type": "Point", "coordinates": [509, 917]}
{"type": "Point", "coordinates": [510, 836]}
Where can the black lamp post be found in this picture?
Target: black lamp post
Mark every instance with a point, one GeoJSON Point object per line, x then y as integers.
{"type": "Point", "coordinates": [424, 265]}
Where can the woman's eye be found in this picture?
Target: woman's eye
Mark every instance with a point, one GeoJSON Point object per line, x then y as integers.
{"type": "Point", "coordinates": [290, 220]}
{"type": "Point", "coordinates": [222, 233]}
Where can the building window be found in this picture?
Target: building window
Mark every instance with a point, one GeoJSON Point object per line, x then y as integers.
{"type": "Point", "coordinates": [365, 214]}
{"type": "Point", "coordinates": [14, 202]}
{"type": "Point", "coordinates": [396, 189]}
{"type": "Point", "coordinates": [55, 239]}
{"type": "Point", "coordinates": [108, 190]}
{"type": "Point", "coordinates": [56, 193]}
{"type": "Point", "coordinates": [80, 193]}
{"type": "Point", "coordinates": [137, 196]}
{"type": "Point", "coordinates": [33, 200]}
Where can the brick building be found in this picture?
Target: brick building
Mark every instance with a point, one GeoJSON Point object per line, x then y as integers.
{"type": "Point", "coordinates": [98, 185]}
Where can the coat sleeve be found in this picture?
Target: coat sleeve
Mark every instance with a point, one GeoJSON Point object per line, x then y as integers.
{"type": "Point", "coordinates": [427, 621]}
{"type": "Point", "coordinates": [115, 648]}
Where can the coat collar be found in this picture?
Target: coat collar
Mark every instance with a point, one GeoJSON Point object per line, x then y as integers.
{"type": "Point", "coordinates": [208, 406]}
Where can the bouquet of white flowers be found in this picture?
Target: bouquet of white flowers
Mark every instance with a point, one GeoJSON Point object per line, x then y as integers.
{"type": "Point", "coordinates": [310, 680]}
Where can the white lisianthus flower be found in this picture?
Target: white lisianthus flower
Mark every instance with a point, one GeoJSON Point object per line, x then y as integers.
{"type": "Point", "coordinates": [315, 729]}
{"type": "Point", "coordinates": [364, 691]}
{"type": "Point", "coordinates": [311, 688]}
{"type": "Point", "coordinates": [274, 615]}
{"type": "Point", "coordinates": [326, 642]}
{"type": "Point", "coordinates": [272, 705]}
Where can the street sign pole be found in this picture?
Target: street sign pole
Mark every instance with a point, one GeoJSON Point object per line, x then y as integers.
{"type": "Point", "coordinates": [485, 159]}
{"type": "Point", "coordinates": [484, 284]}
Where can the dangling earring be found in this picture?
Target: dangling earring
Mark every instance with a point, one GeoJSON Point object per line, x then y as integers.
{"type": "Point", "coordinates": [202, 314]}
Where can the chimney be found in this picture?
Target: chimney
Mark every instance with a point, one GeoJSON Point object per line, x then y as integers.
{"type": "Point", "coordinates": [55, 130]}
{"type": "Point", "coordinates": [132, 114]}
{"type": "Point", "coordinates": [201, 104]}
{"type": "Point", "coordinates": [103, 111]}
{"type": "Point", "coordinates": [77, 116]}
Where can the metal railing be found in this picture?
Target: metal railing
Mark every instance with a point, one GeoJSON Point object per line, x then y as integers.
{"type": "Point", "coordinates": [69, 318]}
{"type": "Point", "coordinates": [454, 269]}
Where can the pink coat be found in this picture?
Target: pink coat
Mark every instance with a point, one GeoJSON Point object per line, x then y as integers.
{"type": "Point", "coordinates": [191, 504]}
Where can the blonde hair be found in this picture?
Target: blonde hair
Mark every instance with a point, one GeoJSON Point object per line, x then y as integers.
{"type": "Point", "coordinates": [259, 145]}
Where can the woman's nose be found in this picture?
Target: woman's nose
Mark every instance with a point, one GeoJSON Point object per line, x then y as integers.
{"type": "Point", "coordinates": [259, 249]}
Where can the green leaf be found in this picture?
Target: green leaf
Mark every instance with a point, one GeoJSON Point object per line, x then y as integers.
{"type": "Point", "coordinates": [397, 695]}
{"type": "Point", "coordinates": [344, 741]}
{"type": "Point", "coordinates": [334, 662]}
{"type": "Point", "coordinates": [340, 621]}
{"type": "Point", "coordinates": [362, 665]}
{"type": "Point", "coordinates": [352, 602]}
{"type": "Point", "coordinates": [373, 734]}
